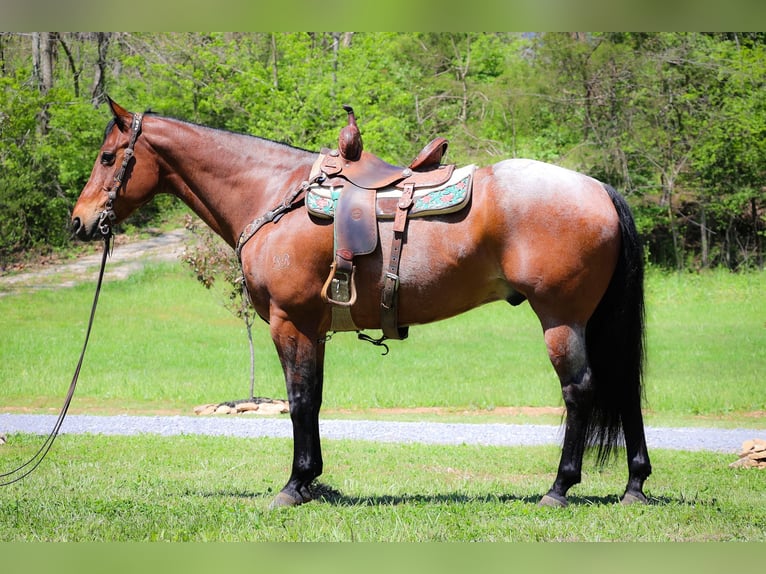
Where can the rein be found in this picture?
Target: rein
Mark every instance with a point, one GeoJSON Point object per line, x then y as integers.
{"type": "Point", "coordinates": [28, 467]}
{"type": "Point", "coordinates": [105, 220]}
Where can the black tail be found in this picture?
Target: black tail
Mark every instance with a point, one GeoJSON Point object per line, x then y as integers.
{"type": "Point", "coordinates": [615, 339]}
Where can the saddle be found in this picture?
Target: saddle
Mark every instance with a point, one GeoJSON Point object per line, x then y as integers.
{"type": "Point", "coordinates": [357, 189]}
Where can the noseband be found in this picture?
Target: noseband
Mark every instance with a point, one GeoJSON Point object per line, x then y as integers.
{"type": "Point", "coordinates": [108, 215]}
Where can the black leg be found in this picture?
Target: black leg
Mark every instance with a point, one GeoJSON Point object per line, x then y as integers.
{"type": "Point", "coordinates": [566, 349]}
{"type": "Point", "coordinates": [303, 364]}
{"type": "Point", "coordinates": [578, 396]}
{"type": "Point", "coordinates": [639, 467]}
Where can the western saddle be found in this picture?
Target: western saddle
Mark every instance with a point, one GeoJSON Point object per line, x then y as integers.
{"type": "Point", "coordinates": [355, 177]}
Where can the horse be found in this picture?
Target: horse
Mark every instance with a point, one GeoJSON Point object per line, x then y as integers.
{"type": "Point", "coordinates": [558, 239]}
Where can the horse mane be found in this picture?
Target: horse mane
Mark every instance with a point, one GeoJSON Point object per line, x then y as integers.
{"type": "Point", "coordinates": [232, 132]}
{"type": "Point", "coordinates": [116, 121]}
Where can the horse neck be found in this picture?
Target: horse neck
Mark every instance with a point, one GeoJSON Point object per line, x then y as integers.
{"type": "Point", "coordinates": [227, 179]}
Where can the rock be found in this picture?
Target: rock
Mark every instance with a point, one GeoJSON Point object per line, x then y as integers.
{"type": "Point", "coordinates": [258, 406]}
{"type": "Point", "coordinates": [247, 407]}
{"type": "Point", "coordinates": [205, 409]}
{"type": "Point", "coordinates": [752, 454]}
{"type": "Point", "coordinates": [3, 439]}
{"type": "Point", "coordinates": [275, 408]}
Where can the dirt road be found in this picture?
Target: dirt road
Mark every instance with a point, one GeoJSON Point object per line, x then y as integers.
{"type": "Point", "coordinates": [127, 257]}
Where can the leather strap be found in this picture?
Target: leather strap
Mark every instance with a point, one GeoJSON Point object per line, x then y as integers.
{"type": "Point", "coordinates": [389, 301]}
{"type": "Point", "coordinates": [28, 467]}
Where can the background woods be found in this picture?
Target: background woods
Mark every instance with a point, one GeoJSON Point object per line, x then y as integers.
{"type": "Point", "coordinates": [676, 121]}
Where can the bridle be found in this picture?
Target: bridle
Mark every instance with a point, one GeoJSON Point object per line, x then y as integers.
{"type": "Point", "coordinates": [105, 220]}
{"type": "Point", "coordinates": [107, 216]}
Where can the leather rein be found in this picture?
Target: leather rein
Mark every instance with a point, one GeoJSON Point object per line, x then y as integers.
{"type": "Point", "coordinates": [105, 220]}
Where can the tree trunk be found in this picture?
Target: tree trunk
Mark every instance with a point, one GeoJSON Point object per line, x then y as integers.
{"type": "Point", "coordinates": [274, 69]}
{"type": "Point", "coordinates": [756, 233]}
{"type": "Point", "coordinates": [98, 91]}
{"type": "Point", "coordinates": [703, 236]}
{"type": "Point", "coordinates": [75, 72]}
{"type": "Point", "coordinates": [42, 50]}
{"type": "Point", "coordinates": [42, 53]}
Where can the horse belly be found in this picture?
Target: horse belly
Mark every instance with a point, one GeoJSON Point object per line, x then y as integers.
{"type": "Point", "coordinates": [445, 270]}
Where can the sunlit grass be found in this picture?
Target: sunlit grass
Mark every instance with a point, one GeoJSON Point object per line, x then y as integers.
{"type": "Point", "coordinates": [163, 343]}
{"type": "Point", "coordinates": [197, 488]}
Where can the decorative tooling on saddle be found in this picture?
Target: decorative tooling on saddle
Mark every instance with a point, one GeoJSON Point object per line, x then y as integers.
{"type": "Point", "coordinates": [447, 198]}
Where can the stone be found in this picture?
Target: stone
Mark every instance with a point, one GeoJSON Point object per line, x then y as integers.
{"type": "Point", "coordinates": [208, 409]}
{"type": "Point", "coordinates": [272, 408]}
{"type": "Point", "coordinates": [247, 407]}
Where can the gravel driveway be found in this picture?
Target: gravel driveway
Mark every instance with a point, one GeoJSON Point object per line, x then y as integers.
{"type": "Point", "coordinates": [253, 426]}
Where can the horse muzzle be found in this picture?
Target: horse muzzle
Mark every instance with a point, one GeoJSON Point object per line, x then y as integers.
{"type": "Point", "coordinates": [87, 230]}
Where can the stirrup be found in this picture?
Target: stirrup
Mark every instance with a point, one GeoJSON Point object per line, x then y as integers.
{"type": "Point", "coordinates": [340, 288]}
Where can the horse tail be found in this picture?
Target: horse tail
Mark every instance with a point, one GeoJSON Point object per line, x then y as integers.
{"type": "Point", "coordinates": [615, 339]}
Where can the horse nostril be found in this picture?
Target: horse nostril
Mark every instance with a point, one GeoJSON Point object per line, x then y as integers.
{"type": "Point", "coordinates": [76, 226]}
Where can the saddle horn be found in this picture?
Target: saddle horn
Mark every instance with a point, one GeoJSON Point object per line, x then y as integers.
{"type": "Point", "coordinates": [350, 138]}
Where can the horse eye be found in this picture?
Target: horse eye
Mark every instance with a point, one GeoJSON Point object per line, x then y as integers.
{"type": "Point", "coordinates": [107, 158]}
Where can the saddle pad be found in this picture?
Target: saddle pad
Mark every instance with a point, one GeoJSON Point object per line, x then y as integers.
{"type": "Point", "coordinates": [447, 198]}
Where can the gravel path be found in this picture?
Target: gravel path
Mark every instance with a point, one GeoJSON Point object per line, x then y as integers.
{"type": "Point", "coordinates": [253, 426]}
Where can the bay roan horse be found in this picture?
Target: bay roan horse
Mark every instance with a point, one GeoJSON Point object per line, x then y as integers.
{"type": "Point", "coordinates": [558, 239]}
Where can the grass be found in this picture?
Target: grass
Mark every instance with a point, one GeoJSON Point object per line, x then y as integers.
{"type": "Point", "coordinates": [193, 488]}
{"type": "Point", "coordinates": [161, 343]}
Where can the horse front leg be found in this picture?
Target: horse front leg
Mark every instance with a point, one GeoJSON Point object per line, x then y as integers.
{"type": "Point", "coordinates": [566, 349]}
{"type": "Point", "coordinates": [302, 358]}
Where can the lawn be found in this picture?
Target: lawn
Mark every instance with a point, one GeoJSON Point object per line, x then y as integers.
{"type": "Point", "coordinates": [161, 343]}
{"type": "Point", "coordinates": [195, 488]}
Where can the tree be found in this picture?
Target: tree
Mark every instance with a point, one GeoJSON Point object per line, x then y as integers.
{"type": "Point", "coordinates": [216, 267]}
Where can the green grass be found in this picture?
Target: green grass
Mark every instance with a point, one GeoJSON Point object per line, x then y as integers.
{"type": "Point", "coordinates": [194, 488]}
{"type": "Point", "coordinates": [707, 343]}
{"type": "Point", "coordinates": [162, 343]}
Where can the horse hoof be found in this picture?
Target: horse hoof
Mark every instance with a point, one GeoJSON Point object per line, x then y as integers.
{"type": "Point", "coordinates": [283, 500]}
{"type": "Point", "coordinates": [630, 498]}
{"type": "Point", "coordinates": [552, 501]}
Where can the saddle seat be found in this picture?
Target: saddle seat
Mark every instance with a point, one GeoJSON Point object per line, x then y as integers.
{"type": "Point", "coordinates": [371, 172]}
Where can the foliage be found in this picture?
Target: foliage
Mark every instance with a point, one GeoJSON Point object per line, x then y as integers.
{"type": "Point", "coordinates": [674, 120]}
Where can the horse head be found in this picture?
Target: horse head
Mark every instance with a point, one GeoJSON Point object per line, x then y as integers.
{"type": "Point", "coordinates": [125, 176]}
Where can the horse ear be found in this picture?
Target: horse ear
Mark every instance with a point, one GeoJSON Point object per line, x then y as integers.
{"type": "Point", "coordinates": [122, 117]}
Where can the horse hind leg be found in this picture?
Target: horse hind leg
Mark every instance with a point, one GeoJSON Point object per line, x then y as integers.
{"type": "Point", "coordinates": [639, 467]}
{"type": "Point", "coordinates": [566, 350]}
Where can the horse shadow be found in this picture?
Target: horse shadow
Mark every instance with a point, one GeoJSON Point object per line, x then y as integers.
{"type": "Point", "coordinates": [327, 494]}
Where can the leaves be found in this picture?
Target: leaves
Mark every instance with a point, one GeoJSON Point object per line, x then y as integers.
{"type": "Point", "coordinates": [671, 119]}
